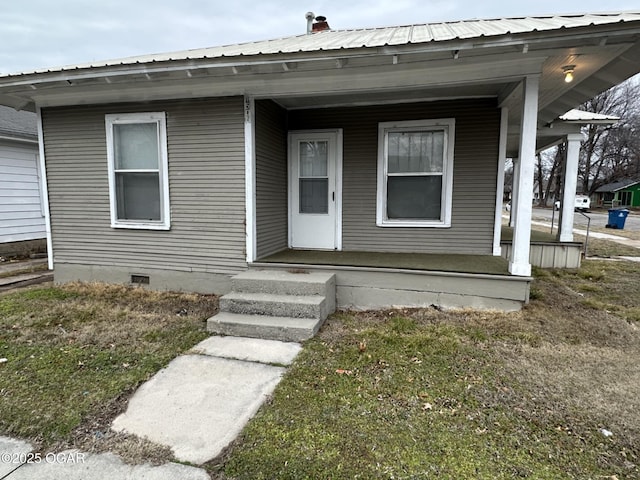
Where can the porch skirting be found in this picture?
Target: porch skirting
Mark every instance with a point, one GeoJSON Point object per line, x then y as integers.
{"type": "Point", "coordinates": [550, 254]}
{"type": "Point", "coordinates": [375, 288]}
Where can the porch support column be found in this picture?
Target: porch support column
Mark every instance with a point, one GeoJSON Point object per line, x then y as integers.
{"type": "Point", "coordinates": [502, 153]}
{"type": "Point", "coordinates": [565, 232]}
{"type": "Point", "coordinates": [250, 178]}
{"type": "Point", "coordinates": [44, 188]}
{"type": "Point", "coordinates": [519, 263]}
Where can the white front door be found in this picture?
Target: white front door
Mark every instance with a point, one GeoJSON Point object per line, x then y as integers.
{"type": "Point", "coordinates": [315, 165]}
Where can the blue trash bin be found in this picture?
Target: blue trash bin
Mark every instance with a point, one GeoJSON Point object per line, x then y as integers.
{"type": "Point", "coordinates": [617, 218]}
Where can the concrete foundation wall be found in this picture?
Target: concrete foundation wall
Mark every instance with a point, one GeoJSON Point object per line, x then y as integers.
{"type": "Point", "coordinates": [355, 288]}
{"type": "Point", "coordinates": [383, 288]}
{"type": "Point", "coordinates": [159, 279]}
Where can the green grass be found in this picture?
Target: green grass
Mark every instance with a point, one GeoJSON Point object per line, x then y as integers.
{"type": "Point", "coordinates": [399, 394]}
{"type": "Point", "coordinates": [605, 248]}
{"type": "Point", "coordinates": [462, 395]}
{"type": "Point", "coordinates": [72, 350]}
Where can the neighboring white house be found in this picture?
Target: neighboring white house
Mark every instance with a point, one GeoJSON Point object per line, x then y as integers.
{"type": "Point", "coordinates": [22, 221]}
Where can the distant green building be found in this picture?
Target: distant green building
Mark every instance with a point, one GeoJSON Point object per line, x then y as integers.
{"type": "Point", "coordinates": [624, 193]}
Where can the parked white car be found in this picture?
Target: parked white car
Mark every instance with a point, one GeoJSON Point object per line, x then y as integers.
{"type": "Point", "coordinates": [582, 203]}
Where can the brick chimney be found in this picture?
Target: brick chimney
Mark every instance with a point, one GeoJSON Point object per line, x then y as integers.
{"type": "Point", "coordinates": [320, 24]}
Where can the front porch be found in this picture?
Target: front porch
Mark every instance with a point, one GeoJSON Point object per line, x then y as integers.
{"type": "Point", "coordinates": [369, 280]}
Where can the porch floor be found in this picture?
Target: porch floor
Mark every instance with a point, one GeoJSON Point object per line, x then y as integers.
{"type": "Point", "coordinates": [536, 236]}
{"type": "Point", "coordinates": [485, 264]}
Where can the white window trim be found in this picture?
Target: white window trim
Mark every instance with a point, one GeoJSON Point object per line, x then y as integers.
{"type": "Point", "coordinates": [446, 124]}
{"type": "Point", "coordinates": [160, 119]}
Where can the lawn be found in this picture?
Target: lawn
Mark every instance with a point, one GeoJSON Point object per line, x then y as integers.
{"type": "Point", "coordinates": [74, 354]}
{"type": "Point", "coordinates": [550, 392]}
{"type": "Point", "coordinates": [547, 393]}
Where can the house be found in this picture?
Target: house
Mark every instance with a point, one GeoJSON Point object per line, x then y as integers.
{"type": "Point", "coordinates": [623, 193]}
{"type": "Point", "coordinates": [374, 154]}
{"type": "Point", "coordinates": [22, 218]}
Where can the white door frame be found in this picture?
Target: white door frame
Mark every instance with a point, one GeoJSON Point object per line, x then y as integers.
{"type": "Point", "coordinates": [338, 183]}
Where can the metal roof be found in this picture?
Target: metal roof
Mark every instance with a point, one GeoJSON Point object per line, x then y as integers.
{"type": "Point", "coordinates": [333, 40]}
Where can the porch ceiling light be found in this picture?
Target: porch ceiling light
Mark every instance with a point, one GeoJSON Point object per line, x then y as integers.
{"type": "Point", "coordinates": [568, 73]}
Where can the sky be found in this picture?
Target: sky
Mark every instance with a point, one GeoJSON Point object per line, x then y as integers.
{"type": "Point", "coordinates": [37, 34]}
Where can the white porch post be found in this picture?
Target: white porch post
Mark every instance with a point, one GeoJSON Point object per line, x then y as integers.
{"type": "Point", "coordinates": [502, 153]}
{"type": "Point", "coordinates": [565, 232]}
{"type": "Point", "coordinates": [250, 178]}
{"type": "Point", "coordinates": [515, 179]}
{"type": "Point", "coordinates": [519, 263]}
{"type": "Point", "coordinates": [44, 188]}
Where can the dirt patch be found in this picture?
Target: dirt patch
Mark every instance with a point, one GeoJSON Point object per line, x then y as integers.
{"type": "Point", "coordinates": [94, 435]}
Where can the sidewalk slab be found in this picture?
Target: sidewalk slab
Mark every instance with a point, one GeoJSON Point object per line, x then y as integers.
{"type": "Point", "coordinates": [249, 349]}
{"type": "Point", "coordinates": [11, 451]}
{"type": "Point", "coordinates": [631, 259]}
{"type": "Point", "coordinates": [74, 465]}
{"type": "Point", "coordinates": [198, 404]}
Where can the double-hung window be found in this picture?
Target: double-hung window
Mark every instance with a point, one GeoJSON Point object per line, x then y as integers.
{"type": "Point", "coordinates": [415, 173]}
{"type": "Point", "coordinates": [138, 171]}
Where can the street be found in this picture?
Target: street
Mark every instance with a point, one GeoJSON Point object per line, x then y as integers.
{"type": "Point", "coordinates": [599, 218]}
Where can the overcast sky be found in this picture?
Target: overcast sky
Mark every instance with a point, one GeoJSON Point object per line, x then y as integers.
{"type": "Point", "coordinates": [36, 34]}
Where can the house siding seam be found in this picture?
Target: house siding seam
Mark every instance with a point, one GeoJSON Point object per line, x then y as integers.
{"type": "Point", "coordinates": [477, 131]}
{"type": "Point", "coordinates": [21, 215]}
{"type": "Point", "coordinates": [205, 142]}
{"type": "Point", "coordinates": [271, 178]}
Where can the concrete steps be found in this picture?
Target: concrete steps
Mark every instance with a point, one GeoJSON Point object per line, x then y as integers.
{"type": "Point", "coordinates": [275, 304]}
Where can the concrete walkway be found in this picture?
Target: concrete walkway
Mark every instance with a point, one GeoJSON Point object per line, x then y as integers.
{"type": "Point", "coordinates": [197, 405]}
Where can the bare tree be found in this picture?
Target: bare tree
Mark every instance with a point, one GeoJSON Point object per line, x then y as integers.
{"type": "Point", "coordinates": [611, 152]}
{"type": "Point", "coordinates": [555, 172]}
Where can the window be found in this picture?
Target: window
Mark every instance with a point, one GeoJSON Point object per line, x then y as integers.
{"type": "Point", "coordinates": [138, 183]}
{"type": "Point", "coordinates": [625, 198]}
{"type": "Point", "coordinates": [415, 173]}
{"type": "Point", "coordinates": [313, 176]}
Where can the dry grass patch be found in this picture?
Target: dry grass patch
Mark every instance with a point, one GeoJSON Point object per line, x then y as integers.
{"type": "Point", "coordinates": [630, 234]}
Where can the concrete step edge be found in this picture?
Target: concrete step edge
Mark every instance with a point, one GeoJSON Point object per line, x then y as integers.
{"type": "Point", "coordinates": [264, 326]}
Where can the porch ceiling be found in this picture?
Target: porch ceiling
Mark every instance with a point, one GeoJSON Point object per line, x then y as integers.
{"type": "Point", "coordinates": [403, 95]}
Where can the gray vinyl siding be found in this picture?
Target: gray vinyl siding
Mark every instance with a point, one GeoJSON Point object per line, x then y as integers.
{"type": "Point", "coordinates": [474, 182]}
{"type": "Point", "coordinates": [206, 152]}
{"type": "Point", "coordinates": [271, 178]}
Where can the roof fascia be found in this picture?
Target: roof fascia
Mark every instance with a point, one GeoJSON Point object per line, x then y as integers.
{"type": "Point", "coordinates": [313, 82]}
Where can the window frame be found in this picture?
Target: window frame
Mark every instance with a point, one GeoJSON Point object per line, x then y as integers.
{"type": "Point", "coordinates": [446, 125]}
{"type": "Point", "coordinates": [159, 118]}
